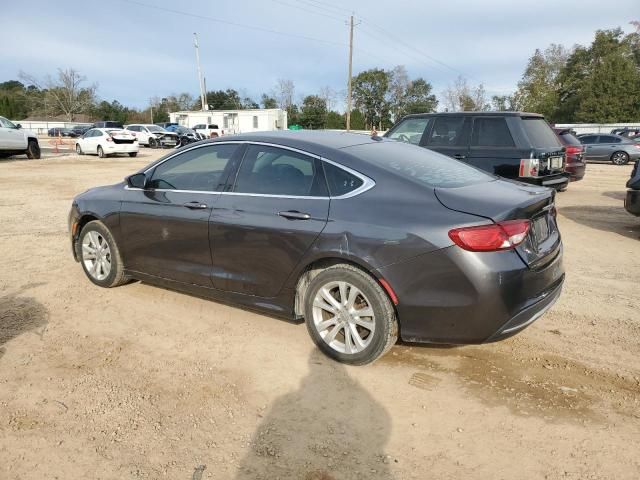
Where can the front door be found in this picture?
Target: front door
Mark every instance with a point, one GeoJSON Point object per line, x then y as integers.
{"type": "Point", "coordinates": [10, 136]}
{"type": "Point", "coordinates": [166, 224]}
{"type": "Point", "coordinates": [261, 229]}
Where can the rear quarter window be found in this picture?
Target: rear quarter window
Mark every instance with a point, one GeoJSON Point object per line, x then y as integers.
{"type": "Point", "coordinates": [540, 133]}
{"type": "Point", "coordinates": [419, 165]}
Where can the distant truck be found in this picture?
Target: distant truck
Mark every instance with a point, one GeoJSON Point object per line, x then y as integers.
{"type": "Point", "coordinates": [209, 130]}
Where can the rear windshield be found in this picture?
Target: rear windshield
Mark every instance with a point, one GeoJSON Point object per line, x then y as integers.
{"type": "Point", "coordinates": [419, 165]}
{"type": "Point", "coordinates": [569, 139]}
{"type": "Point", "coordinates": [540, 133]}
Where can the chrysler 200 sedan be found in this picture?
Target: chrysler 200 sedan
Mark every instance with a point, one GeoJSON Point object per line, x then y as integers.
{"type": "Point", "coordinates": [364, 238]}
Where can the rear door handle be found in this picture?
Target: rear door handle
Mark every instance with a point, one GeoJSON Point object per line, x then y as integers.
{"type": "Point", "coordinates": [294, 215]}
{"type": "Point", "coordinates": [459, 156]}
{"type": "Point", "coordinates": [195, 205]}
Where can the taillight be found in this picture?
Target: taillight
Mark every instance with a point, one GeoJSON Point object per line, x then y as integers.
{"type": "Point", "coordinates": [573, 150]}
{"type": "Point", "coordinates": [529, 167]}
{"type": "Point", "coordinates": [109, 139]}
{"type": "Point", "coordinates": [490, 238]}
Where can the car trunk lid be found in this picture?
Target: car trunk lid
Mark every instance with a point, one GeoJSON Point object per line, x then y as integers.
{"type": "Point", "coordinates": [509, 200]}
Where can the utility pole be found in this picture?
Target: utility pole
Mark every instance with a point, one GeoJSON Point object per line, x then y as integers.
{"type": "Point", "coordinates": [204, 82]}
{"type": "Point", "coordinates": [350, 67]}
{"type": "Point", "coordinates": [151, 113]}
{"type": "Point", "coordinates": [200, 81]}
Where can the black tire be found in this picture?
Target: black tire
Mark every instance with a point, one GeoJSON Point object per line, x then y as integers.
{"type": "Point", "coordinates": [153, 143]}
{"type": "Point", "coordinates": [133, 154]}
{"type": "Point", "coordinates": [385, 333]}
{"type": "Point", "coordinates": [78, 149]}
{"type": "Point", "coordinates": [33, 149]}
{"type": "Point", "coordinates": [620, 158]}
{"type": "Point", "coordinates": [116, 275]}
{"type": "Point", "coordinates": [101, 153]}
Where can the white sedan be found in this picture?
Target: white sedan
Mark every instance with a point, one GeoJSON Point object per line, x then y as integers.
{"type": "Point", "coordinates": [107, 141]}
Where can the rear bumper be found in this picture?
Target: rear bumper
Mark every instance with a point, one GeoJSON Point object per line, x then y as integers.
{"type": "Point", "coordinates": [457, 297]}
{"type": "Point", "coordinates": [632, 202]}
{"type": "Point", "coordinates": [558, 181]}
{"type": "Point", "coordinates": [576, 170]}
{"type": "Point", "coordinates": [111, 147]}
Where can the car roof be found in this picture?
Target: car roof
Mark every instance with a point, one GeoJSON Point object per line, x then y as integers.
{"type": "Point", "coordinates": [475, 114]}
{"type": "Point", "coordinates": [309, 140]}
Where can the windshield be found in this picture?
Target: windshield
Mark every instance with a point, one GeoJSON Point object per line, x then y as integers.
{"type": "Point", "coordinates": [420, 165]}
{"type": "Point", "coordinates": [155, 128]}
{"type": "Point", "coordinates": [540, 133]}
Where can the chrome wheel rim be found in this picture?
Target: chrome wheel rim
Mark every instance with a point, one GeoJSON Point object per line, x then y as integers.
{"type": "Point", "coordinates": [343, 317]}
{"type": "Point", "coordinates": [96, 255]}
{"type": "Point", "coordinates": [619, 158]}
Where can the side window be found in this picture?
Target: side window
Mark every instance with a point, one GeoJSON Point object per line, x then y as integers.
{"type": "Point", "coordinates": [5, 123]}
{"type": "Point", "coordinates": [588, 139]}
{"type": "Point", "coordinates": [277, 171]}
{"type": "Point", "coordinates": [340, 181]}
{"type": "Point", "coordinates": [410, 130]}
{"type": "Point", "coordinates": [201, 169]}
{"type": "Point", "coordinates": [608, 139]}
{"type": "Point", "coordinates": [491, 132]}
{"type": "Point", "coordinates": [448, 131]}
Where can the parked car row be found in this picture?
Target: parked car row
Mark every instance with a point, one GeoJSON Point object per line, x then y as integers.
{"type": "Point", "coordinates": [616, 149]}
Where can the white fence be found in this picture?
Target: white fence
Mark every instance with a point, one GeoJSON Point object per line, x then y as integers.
{"type": "Point", "coordinates": [596, 127]}
{"type": "Point", "coordinates": [42, 127]}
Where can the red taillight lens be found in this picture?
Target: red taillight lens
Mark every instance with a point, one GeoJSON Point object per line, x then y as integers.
{"type": "Point", "coordinates": [491, 238]}
{"type": "Point", "coordinates": [573, 150]}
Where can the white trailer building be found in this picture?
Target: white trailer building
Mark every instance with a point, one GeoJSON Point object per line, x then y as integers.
{"type": "Point", "coordinates": [235, 121]}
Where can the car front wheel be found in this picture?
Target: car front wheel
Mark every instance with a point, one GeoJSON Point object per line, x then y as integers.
{"type": "Point", "coordinates": [99, 256]}
{"type": "Point", "coordinates": [349, 316]}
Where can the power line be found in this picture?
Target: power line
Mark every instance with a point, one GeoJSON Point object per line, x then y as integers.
{"type": "Point", "coordinates": [333, 17]}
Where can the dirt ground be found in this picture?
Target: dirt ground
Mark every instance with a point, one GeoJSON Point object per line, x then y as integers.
{"type": "Point", "coordinates": [142, 382]}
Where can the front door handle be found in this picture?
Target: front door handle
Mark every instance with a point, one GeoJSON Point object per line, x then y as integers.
{"type": "Point", "coordinates": [195, 205]}
{"type": "Point", "coordinates": [294, 215]}
{"type": "Point", "coordinates": [459, 156]}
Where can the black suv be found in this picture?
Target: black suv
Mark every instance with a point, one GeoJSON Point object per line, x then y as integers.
{"type": "Point", "coordinates": [107, 124]}
{"type": "Point", "coordinates": [632, 202]}
{"type": "Point", "coordinates": [513, 145]}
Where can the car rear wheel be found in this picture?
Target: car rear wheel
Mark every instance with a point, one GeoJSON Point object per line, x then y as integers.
{"type": "Point", "coordinates": [620, 158]}
{"type": "Point", "coordinates": [349, 316]}
{"type": "Point", "coordinates": [33, 150]}
{"type": "Point", "coordinates": [78, 149]}
{"type": "Point", "coordinates": [133, 154]}
{"type": "Point", "coordinates": [101, 153]}
{"type": "Point", "coordinates": [100, 257]}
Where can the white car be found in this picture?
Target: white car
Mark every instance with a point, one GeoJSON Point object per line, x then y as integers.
{"type": "Point", "coordinates": [153, 136]}
{"type": "Point", "coordinates": [107, 141]}
{"type": "Point", "coordinates": [14, 140]}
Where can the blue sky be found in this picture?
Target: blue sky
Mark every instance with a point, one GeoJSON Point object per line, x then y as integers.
{"type": "Point", "coordinates": [137, 49]}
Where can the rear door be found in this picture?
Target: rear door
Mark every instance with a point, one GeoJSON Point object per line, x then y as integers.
{"type": "Point", "coordinates": [607, 145]}
{"type": "Point", "coordinates": [166, 224]}
{"type": "Point", "coordinates": [449, 135]}
{"type": "Point", "coordinates": [492, 147]}
{"type": "Point", "coordinates": [262, 227]}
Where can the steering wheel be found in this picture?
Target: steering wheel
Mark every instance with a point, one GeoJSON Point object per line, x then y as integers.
{"type": "Point", "coordinates": [403, 138]}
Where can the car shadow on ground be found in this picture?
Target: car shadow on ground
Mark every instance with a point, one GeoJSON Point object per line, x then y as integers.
{"type": "Point", "coordinates": [616, 195]}
{"type": "Point", "coordinates": [19, 315]}
{"type": "Point", "coordinates": [609, 219]}
{"type": "Point", "coordinates": [329, 428]}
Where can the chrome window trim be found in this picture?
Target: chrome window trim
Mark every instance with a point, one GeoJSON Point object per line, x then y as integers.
{"type": "Point", "coordinates": [367, 183]}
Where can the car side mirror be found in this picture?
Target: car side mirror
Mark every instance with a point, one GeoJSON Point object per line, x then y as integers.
{"type": "Point", "coordinates": [18, 126]}
{"type": "Point", "coordinates": [137, 180]}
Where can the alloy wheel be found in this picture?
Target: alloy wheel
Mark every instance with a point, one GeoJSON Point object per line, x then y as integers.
{"type": "Point", "coordinates": [96, 255]}
{"type": "Point", "coordinates": [619, 158]}
{"type": "Point", "coordinates": [343, 317]}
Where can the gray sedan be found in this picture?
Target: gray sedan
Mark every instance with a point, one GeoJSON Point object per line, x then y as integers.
{"type": "Point", "coordinates": [610, 148]}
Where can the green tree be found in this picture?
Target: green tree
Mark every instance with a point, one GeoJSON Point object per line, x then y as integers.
{"type": "Point", "coordinates": [337, 121]}
{"type": "Point", "coordinates": [419, 98]}
{"type": "Point", "coordinates": [268, 101]}
{"type": "Point", "coordinates": [111, 111]}
{"type": "Point", "coordinates": [357, 120]}
{"type": "Point", "coordinates": [601, 83]}
{"type": "Point", "coordinates": [313, 114]}
{"type": "Point", "coordinates": [228, 99]}
{"type": "Point", "coordinates": [538, 91]}
{"type": "Point", "coordinates": [370, 90]}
